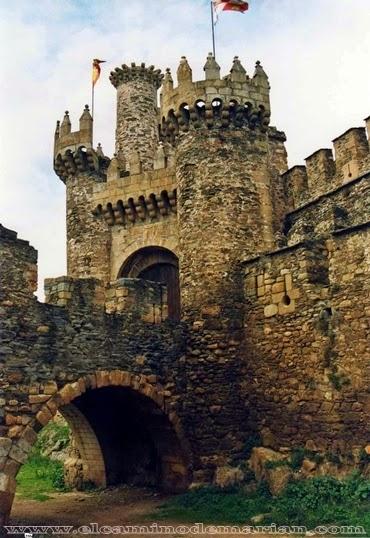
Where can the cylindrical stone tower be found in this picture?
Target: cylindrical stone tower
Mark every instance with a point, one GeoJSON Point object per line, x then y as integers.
{"type": "Point", "coordinates": [224, 169]}
{"type": "Point", "coordinates": [137, 112]}
{"type": "Point", "coordinates": [220, 222]}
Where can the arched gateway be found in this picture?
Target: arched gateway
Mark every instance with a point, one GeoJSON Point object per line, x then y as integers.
{"type": "Point", "coordinates": [122, 430]}
{"type": "Point", "coordinates": [156, 264]}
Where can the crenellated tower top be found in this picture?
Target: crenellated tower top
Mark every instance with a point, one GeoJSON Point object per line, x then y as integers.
{"type": "Point", "coordinates": [124, 74]}
{"type": "Point", "coordinates": [237, 86]}
{"type": "Point", "coordinates": [235, 100]}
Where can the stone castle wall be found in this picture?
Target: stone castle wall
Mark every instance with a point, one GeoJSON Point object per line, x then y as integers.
{"type": "Point", "coordinates": [273, 266]}
{"type": "Point", "coordinates": [306, 358]}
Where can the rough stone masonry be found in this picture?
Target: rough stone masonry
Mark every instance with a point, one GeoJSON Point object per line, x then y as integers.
{"type": "Point", "coordinates": [213, 296]}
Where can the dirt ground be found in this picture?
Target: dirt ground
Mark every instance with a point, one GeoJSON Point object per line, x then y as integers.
{"type": "Point", "coordinates": [112, 507]}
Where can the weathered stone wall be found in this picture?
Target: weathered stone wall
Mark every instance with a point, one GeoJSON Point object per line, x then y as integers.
{"type": "Point", "coordinates": [18, 268]}
{"type": "Point", "coordinates": [216, 231]}
{"type": "Point", "coordinates": [348, 205]}
{"type": "Point", "coordinates": [88, 238]}
{"type": "Point", "coordinates": [306, 360]}
{"type": "Point", "coordinates": [139, 298]}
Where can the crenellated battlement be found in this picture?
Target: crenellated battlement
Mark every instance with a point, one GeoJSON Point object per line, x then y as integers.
{"type": "Point", "coordinates": [323, 172]}
{"type": "Point", "coordinates": [65, 139]}
{"type": "Point", "coordinates": [233, 90]}
{"type": "Point", "coordinates": [124, 74]}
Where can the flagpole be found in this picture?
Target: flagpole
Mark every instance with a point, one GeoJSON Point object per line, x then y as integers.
{"type": "Point", "coordinates": [213, 31]}
{"type": "Point", "coordinates": [92, 114]}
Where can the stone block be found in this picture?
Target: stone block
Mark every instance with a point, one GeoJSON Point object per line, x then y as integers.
{"type": "Point", "coordinates": [38, 398]}
{"type": "Point", "coordinates": [4, 482]}
{"type": "Point", "coordinates": [67, 394]}
{"type": "Point", "coordinates": [44, 415]}
{"type": "Point", "coordinates": [278, 287]}
{"type": "Point", "coordinates": [11, 468]}
{"type": "Point", "coordinates": [277, 297]}
{"type": "Point", "coordinates": [286, 308]}
{"type": "Point", "coordinates": [17, 454]}
{"type": "Point", "coordinates": [5, 445]}
{"type": "Point", "coordinates": [50, 387]}
{"type": "Point", "coordinates": [288, 281]}
{"type": "Point", "coordinates": [226, 476]}
{"type": "Point", "coordinates": [270, 310]}
{"type": "Point", "coordinates": [116, 377]}
{"type": "Point", "coordinates": [29, 435]}
{"type": "Point", "coordinates": [260, 291]}
{"type": "Point", "coordinates": [102, 378]}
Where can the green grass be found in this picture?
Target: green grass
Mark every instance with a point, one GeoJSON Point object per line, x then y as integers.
{"type": "Point", "coordinates": [40, 476]}
{"type": "Point", "coordinates": [311, 502]}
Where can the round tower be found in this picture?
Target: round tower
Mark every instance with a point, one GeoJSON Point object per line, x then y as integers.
{"type": "Point", "coordinates": [137, 112]}
{"type": "Point", "coordinates": [220, 130]}
{"type": "Point", "coordinates": [226, 156]}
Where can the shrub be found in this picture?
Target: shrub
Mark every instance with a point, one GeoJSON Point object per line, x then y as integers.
{"type": "Point", "coordinates": [316, 501]}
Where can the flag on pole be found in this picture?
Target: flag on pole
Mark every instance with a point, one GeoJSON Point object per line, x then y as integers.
{"type": "Point", "coordinates": [96, 69]}
{"type": "Point", "coordinates": [229, 5]}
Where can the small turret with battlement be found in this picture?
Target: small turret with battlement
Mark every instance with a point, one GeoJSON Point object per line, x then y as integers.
{"type": "Point", "coordinates": [66, 139]}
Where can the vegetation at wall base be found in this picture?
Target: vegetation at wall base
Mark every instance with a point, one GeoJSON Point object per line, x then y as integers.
{"type": "Point", "coordinates": [315, 501]}
{"type": "Point", "coordinates": [41, 476]}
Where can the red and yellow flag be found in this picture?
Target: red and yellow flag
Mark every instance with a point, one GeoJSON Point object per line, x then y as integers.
{"type": "Point", "coordinates": [230, 5]}
{"type": "Point", "coordinates": [96, 69]}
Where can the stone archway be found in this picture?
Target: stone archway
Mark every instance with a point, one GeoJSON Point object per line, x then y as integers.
{"type": "Point", "coordinates": [156, 264]}
{"type": "Point", "coordinates": [166, 432]}
{"type": "Point", "coordinates": [87, 445]}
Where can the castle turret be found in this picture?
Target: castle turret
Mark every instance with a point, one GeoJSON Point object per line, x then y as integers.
{"type": "Point", "coordinates": [65, 139]}
{"type": "Point", "coordinates": [228, 161]}
{"type": "Point", "coordinates": [137, 112]}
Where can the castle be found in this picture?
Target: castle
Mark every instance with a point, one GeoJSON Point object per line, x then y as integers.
{"type": "Point", "coordinates": [212, 295]}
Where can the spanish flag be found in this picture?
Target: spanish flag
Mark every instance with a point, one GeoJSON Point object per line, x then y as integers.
{"type": "Point", "coordinates": [230, 5]}
{"type": "Point", "coordinates": [96, 69]}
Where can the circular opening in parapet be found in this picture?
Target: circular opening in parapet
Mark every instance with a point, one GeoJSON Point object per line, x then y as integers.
{"type": "Point", "coordinates": [328, 311]}
{"type": "Point", "coordinates": [216, 102]}
{"type": "Point", "coordinates": [286, 300]}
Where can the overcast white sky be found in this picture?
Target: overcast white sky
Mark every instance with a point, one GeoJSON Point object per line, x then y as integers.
{"type": "Point", "coordinates": [315, 52]}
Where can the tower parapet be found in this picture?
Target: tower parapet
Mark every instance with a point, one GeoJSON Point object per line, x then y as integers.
{"type": "Point", "coordinates": [232, 94]}
{"type": "Point", "coordinates": [137, 112]}
{"type": "Point", "coordinates": [65, 139]}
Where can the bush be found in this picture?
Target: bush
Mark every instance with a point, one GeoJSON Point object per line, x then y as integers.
{"type": "Point", "coordinates": [40, 475]}
{"type": "Point", "coordinates": [316, 501]}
